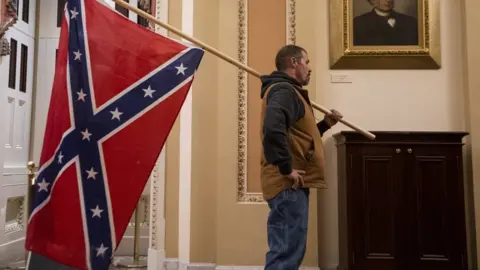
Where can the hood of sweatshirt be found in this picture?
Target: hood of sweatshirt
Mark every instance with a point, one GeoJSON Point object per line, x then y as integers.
{"type": "Point", "coordinates": [276, 77]}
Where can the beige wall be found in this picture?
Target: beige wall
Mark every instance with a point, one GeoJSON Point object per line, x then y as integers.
{"type": "Point", "coordinates": [472, 109]}
{"type": "Point", "coordinates": [204, 138]}
{"type": "Point", "coordinates": [226, 232]}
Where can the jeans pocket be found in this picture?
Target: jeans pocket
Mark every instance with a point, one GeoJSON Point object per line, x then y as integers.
{"type": "Point", "coordinates": [290, 195]}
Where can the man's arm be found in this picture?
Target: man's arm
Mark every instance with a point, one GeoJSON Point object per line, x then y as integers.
{"type": "Point", "coordinates": [322, 127]}
{"type": "Point", "coordinates": [283, 109]}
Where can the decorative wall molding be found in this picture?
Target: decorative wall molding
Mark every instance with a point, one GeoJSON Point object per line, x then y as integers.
{"type": "Point", "coordinates": [242, 194]}
{"type": "Point", "coordinates": [15, 224]}
{"type": "Point", "coordinates": [157, 187]}
{"type": "Point", "coordinates": [4, 47]}
{"type": "Point", "coordinates": [154, 176]}
{"type": "Point", "coordinates": [161, 13]}
{"type": "Point", "coordinates": [6, 23]}
{"type": "Point", "coordinates": [154, 205]}
{"type": "Point", "coordinates": [291, 21]}
{"type": "Point", "coordinates": [146, 5]}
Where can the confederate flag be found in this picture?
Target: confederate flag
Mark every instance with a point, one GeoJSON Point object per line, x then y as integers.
{"type": "Point", "coordinates": [117, 91]}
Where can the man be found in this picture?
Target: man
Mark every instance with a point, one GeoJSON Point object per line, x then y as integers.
{"type": "Point", "coordinates": [383, 26]}
{"type": "Point", "coordinates": [292, 160]}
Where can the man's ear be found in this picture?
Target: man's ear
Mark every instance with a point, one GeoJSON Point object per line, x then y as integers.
{"type": "Point", "coordinates": [294, 60]}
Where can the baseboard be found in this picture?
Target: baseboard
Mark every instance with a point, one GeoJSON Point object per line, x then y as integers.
{"type": "Point", "coordinates": [198, 266]}
{"type": "Point", "coordinates": [171, 264]}
{"type": "Point", "coordinates": [12, 251]}
{"type": "Point", "coordinates": [330, 267]}
{"type": "Point", "coordinates": [175, 264]}
{"type": "Point", "coordinates": [235, 267]}
{"type": "Point", "coordinates": [156, 259]}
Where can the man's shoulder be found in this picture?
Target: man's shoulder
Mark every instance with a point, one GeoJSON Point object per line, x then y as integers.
{"type": "Point", "coordinates": [283, 93]}
{"type": "Point", "coordinates": [282, 85]}
{"type": "Point", "coordinates": [283, 88]}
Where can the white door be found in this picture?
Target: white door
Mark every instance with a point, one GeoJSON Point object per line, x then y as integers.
{"type": "Point", "coordinates": [16, 86]}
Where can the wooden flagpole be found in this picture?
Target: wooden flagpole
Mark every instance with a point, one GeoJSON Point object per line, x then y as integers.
{"type": "Point", "coordinates": [229, 59]}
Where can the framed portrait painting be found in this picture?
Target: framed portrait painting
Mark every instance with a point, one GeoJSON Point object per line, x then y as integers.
{"type": "Point", "coordinates": [385, 34]}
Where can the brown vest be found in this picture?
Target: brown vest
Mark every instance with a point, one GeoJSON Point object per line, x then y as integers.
{"type": "Point", "coordinates": [306, 148]}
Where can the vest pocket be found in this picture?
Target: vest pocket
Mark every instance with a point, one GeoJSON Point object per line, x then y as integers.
{"type": "Point", "coordinates": [310, 152]}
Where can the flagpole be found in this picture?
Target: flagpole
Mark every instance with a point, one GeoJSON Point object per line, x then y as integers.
{"type": "Point", "coordinates": [30, 198]}
{"type": "Point", "coordinates": [31, 183]}
{"type": "Point", "coordinates": [229, 59]}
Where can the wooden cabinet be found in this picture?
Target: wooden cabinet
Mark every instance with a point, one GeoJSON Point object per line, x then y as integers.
{"type": "Point", "coordinates": [401, 202]}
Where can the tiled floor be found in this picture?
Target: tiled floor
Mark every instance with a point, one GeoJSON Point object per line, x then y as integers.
{"type": "Point", "coordinates": [38, 262]}
{"type": "Point", "coordinates": [118, 260]}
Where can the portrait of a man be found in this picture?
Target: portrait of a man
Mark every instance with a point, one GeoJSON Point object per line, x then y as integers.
{"type": "Point", "coordinates": [382, 23]}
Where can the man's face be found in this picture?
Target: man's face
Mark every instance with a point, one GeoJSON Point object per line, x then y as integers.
{"type": "Point", "coordinates": [302, 69]}
{"type": "Point", "coordinates": [383, 5]}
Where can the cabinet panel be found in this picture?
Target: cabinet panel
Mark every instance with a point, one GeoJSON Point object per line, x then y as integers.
{"type": "Point", "coordinates": [378, 218]}
{"type": "Point", "coordinates": [401, 202]}
{"type": "Point", "coordinates": [436, 201]}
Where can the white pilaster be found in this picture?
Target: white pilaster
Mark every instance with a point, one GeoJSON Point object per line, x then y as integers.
{"type": "Point", "coordinates": [156, 250]}
{"type": "Point", "coordinates": [185, 174]}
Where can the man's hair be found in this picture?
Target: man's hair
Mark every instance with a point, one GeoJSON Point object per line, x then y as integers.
{"type": "Point", "coordinates": [284, 55]}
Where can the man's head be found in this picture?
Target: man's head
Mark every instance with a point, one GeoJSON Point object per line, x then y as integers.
{"type": "Point", "coordinates": [382, 5]}
{"type": "Point", "coordinates": [293, 60]}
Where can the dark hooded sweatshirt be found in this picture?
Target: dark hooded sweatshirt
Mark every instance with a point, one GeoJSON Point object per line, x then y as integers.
{"type": "Point", "coordinates": [284, 108]}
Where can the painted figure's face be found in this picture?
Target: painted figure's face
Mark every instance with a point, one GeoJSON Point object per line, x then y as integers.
{"type": "Point", "coordinates": [383, 5]}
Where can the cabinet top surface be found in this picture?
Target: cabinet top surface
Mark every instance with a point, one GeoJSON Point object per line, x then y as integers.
{"type": "Point", "coordinates": [442, 137]}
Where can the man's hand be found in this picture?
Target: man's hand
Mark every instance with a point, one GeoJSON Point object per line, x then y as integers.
{"type": "Point", "coordinates": [333, 118]}
{"type": "Point", "coordinates": [297, 177]}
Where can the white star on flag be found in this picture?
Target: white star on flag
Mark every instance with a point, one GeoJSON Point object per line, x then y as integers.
{"type": "Point", "coordinates": [101, 250]}
{"type": "Point", "coordinates": [116, 114]}
{"type": "Point", "coordinates": [91, 173]}
{"type": "Point", "coordinates": [96, 212]}
{"type": "Point", "coordinates": [86, 135]}
{"type": "Point", "coordinates": [148, 92]}
{"type": "Point", "coordinates": [181, 69]}
{"type": "Point", "coordinates": [77, 55]}
{"type": "Point", "coordinates": [81, 95]}
{"type": "Point", "coordinates": [60, 157]}
{"type": "Point", "coordinates": [74, 13]}
{"type": "Point", "coordinates": [43, 185]}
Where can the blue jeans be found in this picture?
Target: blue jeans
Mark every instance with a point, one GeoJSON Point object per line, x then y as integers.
{"type": "Point", "coordinates": [287, 229]}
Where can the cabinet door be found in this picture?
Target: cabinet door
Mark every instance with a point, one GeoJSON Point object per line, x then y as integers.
{"type": "Point", "coordinates": [377, 211]}
{"type": "Point", "coordinates": [436, 215]}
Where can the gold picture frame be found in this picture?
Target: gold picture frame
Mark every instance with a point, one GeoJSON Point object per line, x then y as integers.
{"type": "Point", "coordinates": [345, 55]}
